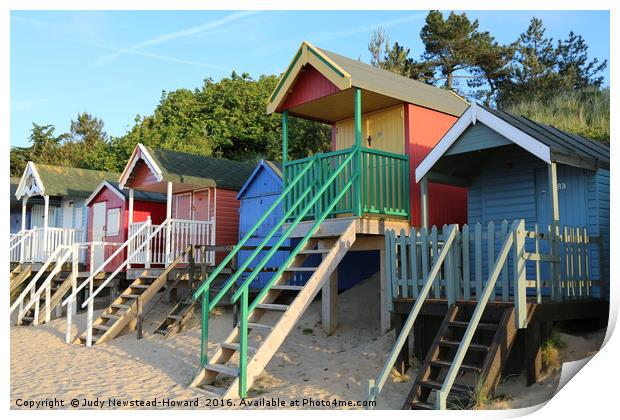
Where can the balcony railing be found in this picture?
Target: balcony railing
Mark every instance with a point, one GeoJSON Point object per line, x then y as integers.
{"type": "Point", "coordinates": [167, 244]}
{"type": "Point", "coordinates": [381, 189]}
{"type": "Point", "coordinates": [37, 244]}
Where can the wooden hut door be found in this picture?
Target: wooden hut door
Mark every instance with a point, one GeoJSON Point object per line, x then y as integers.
{"type": "Point", "coordinates": [182, 208]}
{"type": "Point", "coordinates": [203, 206]}
{"type": "Point", "coordinates": [98, 234]}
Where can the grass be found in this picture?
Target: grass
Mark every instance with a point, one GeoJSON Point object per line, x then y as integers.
{"type": "Point", "coordinates": [585, 113]}
{"type": "Point", "coordinates": [550, 352]}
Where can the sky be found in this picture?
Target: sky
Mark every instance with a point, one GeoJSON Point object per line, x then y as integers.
{"type": "Point", "coordinates": [115, 64]}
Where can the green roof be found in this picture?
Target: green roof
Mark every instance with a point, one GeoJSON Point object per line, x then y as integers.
{"type": "Point", "coordinates": [72, 182]}
{"type": "Point", "coordinates": [187, 168]}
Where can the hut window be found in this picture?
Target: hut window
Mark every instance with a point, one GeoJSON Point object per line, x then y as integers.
{"type": "Point", "coordinates": [113, 221]}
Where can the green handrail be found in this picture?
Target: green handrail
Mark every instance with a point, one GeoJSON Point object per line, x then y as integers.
{"type": "Point", "coordinates": [248, 235]}
{"type": "Point", "coordinates": [243, 290]}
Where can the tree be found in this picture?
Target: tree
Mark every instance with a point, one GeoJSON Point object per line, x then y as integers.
{"type": "Point", "coordinates": [87, 144]}
{"type": "Point", "coordinates": [46, 147]}
{"type": "Point", "coordinates": [575, 66]}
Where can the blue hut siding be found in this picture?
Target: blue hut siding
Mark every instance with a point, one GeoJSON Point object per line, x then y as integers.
{"type": "Point", "coordinates": [258, 194]}
{"type": "Point", "coordinates": [261, 190]}
{"type": "Point", "coordinates": [514, 184]}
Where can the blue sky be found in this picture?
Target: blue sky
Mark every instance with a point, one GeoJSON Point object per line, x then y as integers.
{"type": "Point", "coordinates": [116, 64]}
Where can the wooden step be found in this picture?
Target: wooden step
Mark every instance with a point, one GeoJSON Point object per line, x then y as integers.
{"type": "Point", "coordinates": [119, 306]}
{"type": "Point", "coordinates": [257, 326]}
{"type": "Point", "coordinates": [481, 325]}
{"type": "Point", "coordinates": [212, 390]}
{"type": "Point", "coordinates": [130, 296]}
{"type": "Point", "coordinates": [444, 364]}
{"type": "Point", "coordinates": [313, 251]}
{"type": "Point", "coordinates": [286, 287]}
{"type": "Point", "coordinates": [326, 235]}
{"type": "Point", "coordinates": [301, 269]}
{"type": "Point", "coordinates": [422, 405]}
{"type": "Point", "coordinates": [101, 327]}
{"type": "Point", "coordinates": [457, 344]}
{"type": "Point", "coordinates": [110, 316]}
{"type": "Point", "coordinates": [223, 369]}
{"type": "Point", "coordinates": [236, 347]}
{"type": "Point", "coordinates": [174, 316]}
{"type": "Point", "coordinates": [139, 286]}
{"type": "Point", "coordinates": [456, 388]}
{"type": "Point", "coordinates": [272, 306]}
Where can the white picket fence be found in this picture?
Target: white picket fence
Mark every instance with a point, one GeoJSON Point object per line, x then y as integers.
{"type": "Point", "coordinates": [168, 243]}
{"type": "Point", "coordinates": [37, 245]}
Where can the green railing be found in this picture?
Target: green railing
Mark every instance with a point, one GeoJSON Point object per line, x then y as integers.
{"type": "Point", "coordinates": [306, 195]}
{"type": "Point", "coordinates": [383, 178]}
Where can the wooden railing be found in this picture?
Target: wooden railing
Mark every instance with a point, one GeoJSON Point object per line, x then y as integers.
{"type": "Point", "coordinates": [37, 244]}
{"type": "Point", "coordinates": [411, 254]}
{"type": "Point", "coordinates": [167, 244]}
{"type": "Point", "coordinates": [382, 187]}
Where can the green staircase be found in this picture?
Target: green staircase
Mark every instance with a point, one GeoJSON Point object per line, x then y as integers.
{"type": "Point", "coordinates": [315, 191]}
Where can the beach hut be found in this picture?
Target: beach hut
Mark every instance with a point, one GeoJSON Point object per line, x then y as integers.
{"type": "Point", "coordinates": [108, 219]}
{"type": "Point", "coordinates": [260, 191]}
{"type": "Point", "coordinates": [52, 209]}
{"type": "Point", "coordinates": [535, 252]}
{"type": "Point", "coordinates": [333, 203]}
{"type": "Point", "coordinates": [201, 212]}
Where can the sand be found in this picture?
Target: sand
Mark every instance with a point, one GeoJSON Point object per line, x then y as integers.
{"type": "Point", "coordinates": [310, 364]}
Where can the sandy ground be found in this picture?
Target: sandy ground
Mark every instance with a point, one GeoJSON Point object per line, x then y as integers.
{"type": "Point", "coordinates": [310, 364]}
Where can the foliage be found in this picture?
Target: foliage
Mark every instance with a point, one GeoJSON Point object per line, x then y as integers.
{"type": "Point", "coordinates": [584, 112]}
{"type": "Point", "coordinates": [534, 67]}
{"type": "Point", "coordinates": [550, 351]}
{"type": "Point", "coordinates": [224, 118]}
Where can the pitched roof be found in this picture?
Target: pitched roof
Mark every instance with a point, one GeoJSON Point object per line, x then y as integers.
{"type": "Point", "coordinates": [557, 140]}
{"type": "Point", "coordinates": [345, 73]}
{"type": "Point", "coordinates": [124, 194]}
{"type": "Point", "coordinates": [206, 171]}
{"type": "Point", "coordinates": [543, 141]}
{"type": "Point", "coordinates": [270, 165]}
{"type": "Point", "coordinates": [65, 181]}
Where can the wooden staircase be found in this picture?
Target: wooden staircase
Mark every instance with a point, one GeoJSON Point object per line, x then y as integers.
{"type": "Point", "coordinates": [273, 318]}
{"type": "Point", "coordinates": [124, 309]}
{"type": "Point", "coordinates": [19, 275]}
{"type": "Point", "coordinates": [60, 285]}
{"type": "Point", "coordinates": [176, 319]}
{"type": "Point", "coordinates": [484, 360]}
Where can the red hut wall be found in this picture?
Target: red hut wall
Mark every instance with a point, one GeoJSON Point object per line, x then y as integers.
{"type": "Point", "coordinates": [423, 130]}
{"type": "Point", "coordinates": [142, 210]}
{"type": "Point", "coordinates": [226, 220]}
{"type": "Point", "coordinates": [310, 85]}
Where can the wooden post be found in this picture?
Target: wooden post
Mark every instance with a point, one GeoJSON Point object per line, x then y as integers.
{"type": "Point", "coordinates": [139, 319]}
{"type": "Point", "coordinates": [168, 217]}
{"type": "Point", "coordinates": [386, 297]}
{"type": "Point", "coordinates": [23, 244]}
{"type": "Point", "coordinates": [130, 215]}
{"type": "Point", "coordinates": [554, 209]}
{"type": "Point", "coordinates": [284, 145]}
{"type": "Point", "coordinates": [46, 210]}
{"type": "Point", "coordinates": [533, 354]}
{"type": "Point", "coordinates": [520, 287]}
{"type": "Point", "coordinates": [402, 360]}
{"type": "Point", "coordinates": [358, 150]}
{"type": "Point", "coordinates": [329, 303]}
{"type": "Point", "coordinates": [424, 201]}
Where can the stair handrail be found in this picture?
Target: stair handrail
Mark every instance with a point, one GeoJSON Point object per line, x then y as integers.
{"type": "Point", "coordinates": [375, 386]}
{"type": "Point", "coordinates": [243, 291]}
{"type": "Point", "coordinates": [207, 283]}
{"type": "Point", "coordinates": [22, 235]}
{"type": "Point", "coordinates": [125, 262]}
{"type": "Point", "coordinates": [515, 237]}
{"type": "Point", "coordinates": [36, 278]}
{"type": "Point", "coordinates": [34, 298]}
{"type": "Point", "coordinates": [94, 273]}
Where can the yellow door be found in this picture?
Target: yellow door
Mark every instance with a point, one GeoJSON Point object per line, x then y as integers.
{"type": "Point", "coordinates": [381, 130]}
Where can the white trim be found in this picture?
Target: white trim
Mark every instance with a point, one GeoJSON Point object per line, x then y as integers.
{"type": "Point", "coordinates": [139, 152]}
{"type": "Point", "coordinates": [476, 113]}
{"type": "Point", "coordinates": [37, 188]}
{"type": "Point", "coordinates": [100, 187]}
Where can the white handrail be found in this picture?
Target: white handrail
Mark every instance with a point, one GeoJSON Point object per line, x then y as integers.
{"type": "Point", "coordinates": [33, 282]}
{"type": "Point", "coordinates": [105, 263]}
{"type": "Point", "coordinates": [34, 298]}
{"type": "Point", "coordinates": [121, 266]}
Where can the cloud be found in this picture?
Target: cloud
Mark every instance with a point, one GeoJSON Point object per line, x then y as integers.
{"type": "Point", "coordinates": [177, 34]}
